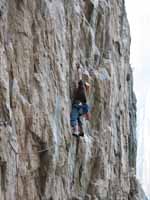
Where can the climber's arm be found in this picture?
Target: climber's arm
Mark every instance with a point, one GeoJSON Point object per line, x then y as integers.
{"type": "Point", "coordinates": [79, 72]}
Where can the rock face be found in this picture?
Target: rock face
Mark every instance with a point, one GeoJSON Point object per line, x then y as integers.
{"type": "Point", "coordinates": [136, 191]}
{"type": "Point", "coordinates": [40, 43]}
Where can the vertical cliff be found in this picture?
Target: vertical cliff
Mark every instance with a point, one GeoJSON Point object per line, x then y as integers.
{"type": "Point", "coordinates": [40, 43]}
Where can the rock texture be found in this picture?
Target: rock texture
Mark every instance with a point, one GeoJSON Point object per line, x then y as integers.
{"type": "Point", "coordinates": [136, 191]}
{"type": "Point", "coordinates": [40, 43]}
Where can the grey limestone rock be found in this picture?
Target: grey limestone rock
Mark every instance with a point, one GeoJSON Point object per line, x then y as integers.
{"type": "Point", "coordinates": [40, 43]}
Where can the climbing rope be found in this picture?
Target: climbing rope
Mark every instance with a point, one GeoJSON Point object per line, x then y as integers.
{"type": "Point", "coordinates": [18, 174]}
{"type": "Point", "coordinates": [25, 153]}
{"type": "Point", "coordinates": [5, 123]}
{"type": "Point", "coordinates": [29, 175]}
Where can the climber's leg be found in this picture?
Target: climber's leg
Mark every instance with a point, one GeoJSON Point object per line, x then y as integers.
{"type": "Point", "coordinates": [85, 108]}
{"type": "Point", "coordinates": [79, 121]}
{"type": "Point", "coordinates": [74, 119]}
{"type": "Point", "coordinates": [80, 127]}
{"type": "Point", "coordinates": [85, 111]}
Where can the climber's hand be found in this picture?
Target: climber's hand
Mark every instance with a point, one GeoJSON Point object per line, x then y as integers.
{"type": "Point", "coordinates": [88, 116]}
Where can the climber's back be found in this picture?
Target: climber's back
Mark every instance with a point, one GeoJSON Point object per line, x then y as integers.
{"type": "Point", "coordinates": [80, 93]}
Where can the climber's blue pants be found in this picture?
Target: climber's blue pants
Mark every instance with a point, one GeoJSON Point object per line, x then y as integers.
{"type": "Point", "coordinates": [77, 111]}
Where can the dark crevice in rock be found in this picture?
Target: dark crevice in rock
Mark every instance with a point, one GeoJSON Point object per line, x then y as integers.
{"type": "Point", "coordinates": [89, 10]}
{"type": "Point", "coordinates": [35, 69]}
{"type": "Point", "coordinates": [128, 77]}
{"type": "Point", "coordinates": [44, 169]}
{"type": "Point", "coordinates": [80, 174]}
{"type": "Point", "coordinates": [1, 12]}
{"type": "Point", "coordinates": [11, 78]}
{"type": "Point", "coordinates": [3, 167]}
{"type": "Point", "coordinates": [118, 47]}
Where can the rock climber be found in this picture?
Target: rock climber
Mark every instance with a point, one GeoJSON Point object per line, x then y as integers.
{"type": "Point", "coordinates": [79, 106]}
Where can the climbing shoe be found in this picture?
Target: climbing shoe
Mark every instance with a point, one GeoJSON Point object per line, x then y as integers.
{"type": "Point", "coordinates": [81, 134]}
{"type": "Point", "coordinates": [75, 134]}
{"type": "Point", "coordinates": [75, 131]}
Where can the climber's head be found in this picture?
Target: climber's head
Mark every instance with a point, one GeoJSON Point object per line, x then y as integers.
{"type": "Point", "coordinates": [81, 83]}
